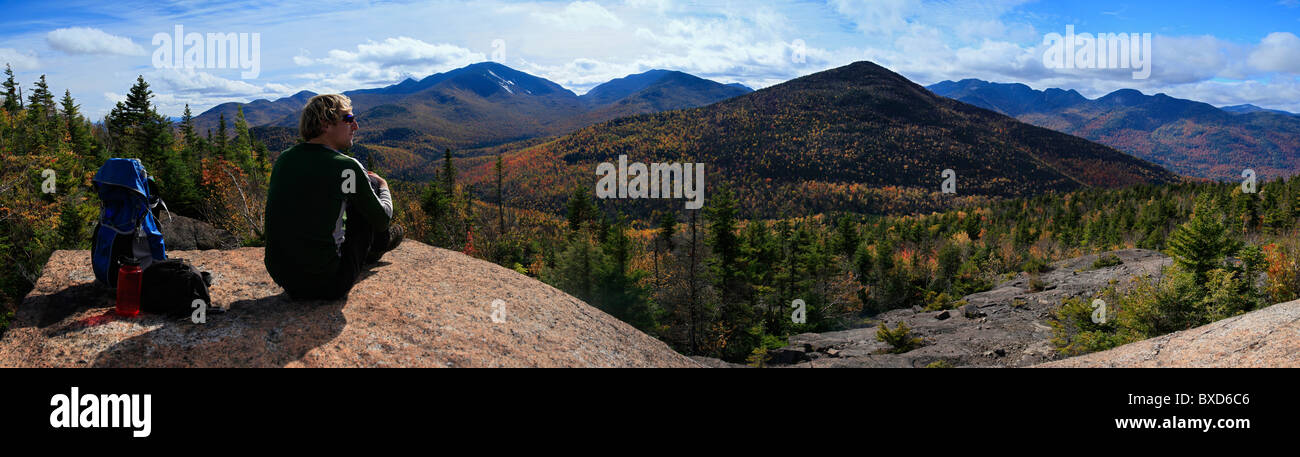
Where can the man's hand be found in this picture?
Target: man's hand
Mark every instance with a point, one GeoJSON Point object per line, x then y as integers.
{"type": "Point", "coordinates": [374, 177]}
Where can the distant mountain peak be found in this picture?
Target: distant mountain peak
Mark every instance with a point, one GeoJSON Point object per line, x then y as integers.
{"type": "Point", "coordinates": [478, 105]}
{"type": "Point", "coordinates": [1248, 108]}
{"type": "Point", "coordinates": [628, 86]}
{"type": "Point", "coordinates": [1187, 136]}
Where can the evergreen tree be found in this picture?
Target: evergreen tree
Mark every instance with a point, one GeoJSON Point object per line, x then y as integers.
{"type": "Point", "coordinates": [128, 122]}
{"type": "Point", "coordinates": [846, 236]}
{"type": "Point", "coordinates": [972, 226]}
{"type": "Point", "coordinates": [187, 129]}
{"type": "Point", "coordinates": [724, 243]}
{"type": "Point", "coordinates": [667, 223]}
{"type": "Point", "coordinates": [241, 149]}
{"type": "Point", "coordinates": [580, 208]}
{"type": "Point", "coordinates": [41, 100]}
{"type": "Point", "coordinates": [735, 315]}
{"type": "Point", "coordinates": [578, 268]}
{"type": "Point", "coordinates": [12, 100]}
{"type": "Point", "coordinates": [1248, 210]}
{"type": "Point", "coordinates": [448, 175]}
{"type": "Point", "coordinates": [620, 292]}
{"type": "Point", "coordinates": [693, 312]}
{"type": "Point", "coordinates": [222, 137]}
{"type": "Point", "coordinates": [1200, 244]}
{"type": "Point", "coordinates": [79, 137]}
{"type": "Point", "coordinates": [434, 204]}
{"type": "Point", "coordinates": [759, 252]}
{"type": "Point", "coordinates": [41, 122]}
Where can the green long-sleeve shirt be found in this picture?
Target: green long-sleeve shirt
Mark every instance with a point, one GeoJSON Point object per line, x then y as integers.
{"type": "Point", "coordinates": [311, 188]}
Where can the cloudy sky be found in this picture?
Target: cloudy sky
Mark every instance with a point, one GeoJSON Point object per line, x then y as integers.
{"type": "Point", "coordinates": [1219, 52]}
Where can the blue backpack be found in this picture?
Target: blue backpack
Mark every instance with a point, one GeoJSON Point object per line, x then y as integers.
{"type": "Point", "coordinates": [126, 227]}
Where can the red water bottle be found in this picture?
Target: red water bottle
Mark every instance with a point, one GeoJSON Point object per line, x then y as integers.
{"type": "Point", "coordinates": [129, 279]}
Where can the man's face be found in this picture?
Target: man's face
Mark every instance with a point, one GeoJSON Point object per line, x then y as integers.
{"type": "Point", "coordinates": [341, 134]}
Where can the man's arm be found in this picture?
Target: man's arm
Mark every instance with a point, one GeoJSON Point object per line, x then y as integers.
{"type": "Point", "coordinates": [375, 206]}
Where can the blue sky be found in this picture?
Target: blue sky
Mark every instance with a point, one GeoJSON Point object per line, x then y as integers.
{"type": "Point", "coordinates": [1214, 51]}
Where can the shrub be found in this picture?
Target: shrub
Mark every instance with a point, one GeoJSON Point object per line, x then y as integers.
{"type": "Point", "coordinates": [1035, 283]}
{"type": "Point", "coordinates": [757, 357]}
{"type": "Point", "coordinates": [1035, 265]}
{"type": "Point", "coordinates": [1149, 309]}
{"type": "Point", "coordinates": [1283, 274]}
{"type": "Point", "coordinates": [900, 338]}
{"type": "Point", "coordinates": [1108, 260]}
{"type": "Point", "coordinates": [1075, 333]}
{"type": "Point", "coordinates": [938, 301]}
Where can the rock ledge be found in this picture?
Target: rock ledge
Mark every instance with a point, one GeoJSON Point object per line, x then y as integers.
{"type": "Point", "coordinates": [420, 307]}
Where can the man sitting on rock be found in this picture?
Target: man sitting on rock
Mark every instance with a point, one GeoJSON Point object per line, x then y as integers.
{"type": "Point", "coordinates": [322, 227]}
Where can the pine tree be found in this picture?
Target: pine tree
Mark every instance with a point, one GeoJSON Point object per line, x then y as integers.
{"type": "Point", "coordinates": [735, 314]}
{"type": "Point", "coordinates": [620, 292]}
{"type": "Point", "coordinates": [846, 236]}
{"type": "Point", "coordinates": [723, 241]}
{"type": "Point", "coordinates": [758, 254]}
{"type": "Point", "coordinates": [41, 101]}
{"type": "Point", "coordinates": [693, 312]}
{"type": "Point", "coordinates": [1200, 244]}
{"type": "Point", "coordinates": [79, 136]}
{"type": "Point", "coordinates": [667, 223]}
{"type": "Point", "coordinates": [12, 100]}
{"type": "Point", "coordinates": [221, 142]}
{"type": "Point", "coordinates": [42, 119]}
{"type": "Point", "coordinates": [580, 208]}
{"type": "Point", "coordinates": [241, 150]}
{"type": "Point", "coordinates": [187, 129]}
{"type": "Point", "coordinates": [578, 268]}
{"type": "Point", "coordinates": [1248, 210]}
{"type": "Point", "coordinates": [434, 204]}
{"type": "Point", "coordinates": [128, 123]}
{"type": "Point", "coordinates": [448, 175]}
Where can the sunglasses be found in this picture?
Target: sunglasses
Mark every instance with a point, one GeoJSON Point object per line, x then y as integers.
{"type": "Point", "coordinates": [350, 118]}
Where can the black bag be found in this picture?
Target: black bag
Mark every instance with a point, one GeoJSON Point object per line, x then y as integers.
{"type": "Point", "coordinates": [170, 287]}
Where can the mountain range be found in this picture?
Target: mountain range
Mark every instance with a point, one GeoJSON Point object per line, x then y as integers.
{"type": "Point", "coordinates": [1188, 137]}
{"type": "Point", "coordinates": [1249, 108]}
{"type": "Point", "coordinates": [855, 138]}
{"type": "Point", "coordinates": [479, 105]}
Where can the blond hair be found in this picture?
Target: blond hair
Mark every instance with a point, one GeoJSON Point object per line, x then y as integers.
{"type": "Point", "coordinates": [320, 112]}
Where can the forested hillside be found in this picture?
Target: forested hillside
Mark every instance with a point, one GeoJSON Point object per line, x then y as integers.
{"type": "Point", "coordinates": [857, 138]}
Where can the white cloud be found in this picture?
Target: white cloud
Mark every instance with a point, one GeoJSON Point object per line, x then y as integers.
{"type": "Point", "coordinates": [83, 40]}
{"type": "Point", "coordinates": [749, 49]}
{"type": "Point", "coordinates": [18, 60]}
{"type": "Point", "coordinates": [659, 6]}
{"type": "Point", "coordinates": [388, 62]}
{"type": "Point", "coordinates": [877, 17]}
{"type": "Point", "coordinates": [1279, 51]}
{"type": "Point", "coordinates": [191, 81]}
{"type": "Point", "coordinates": [580, 16]}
